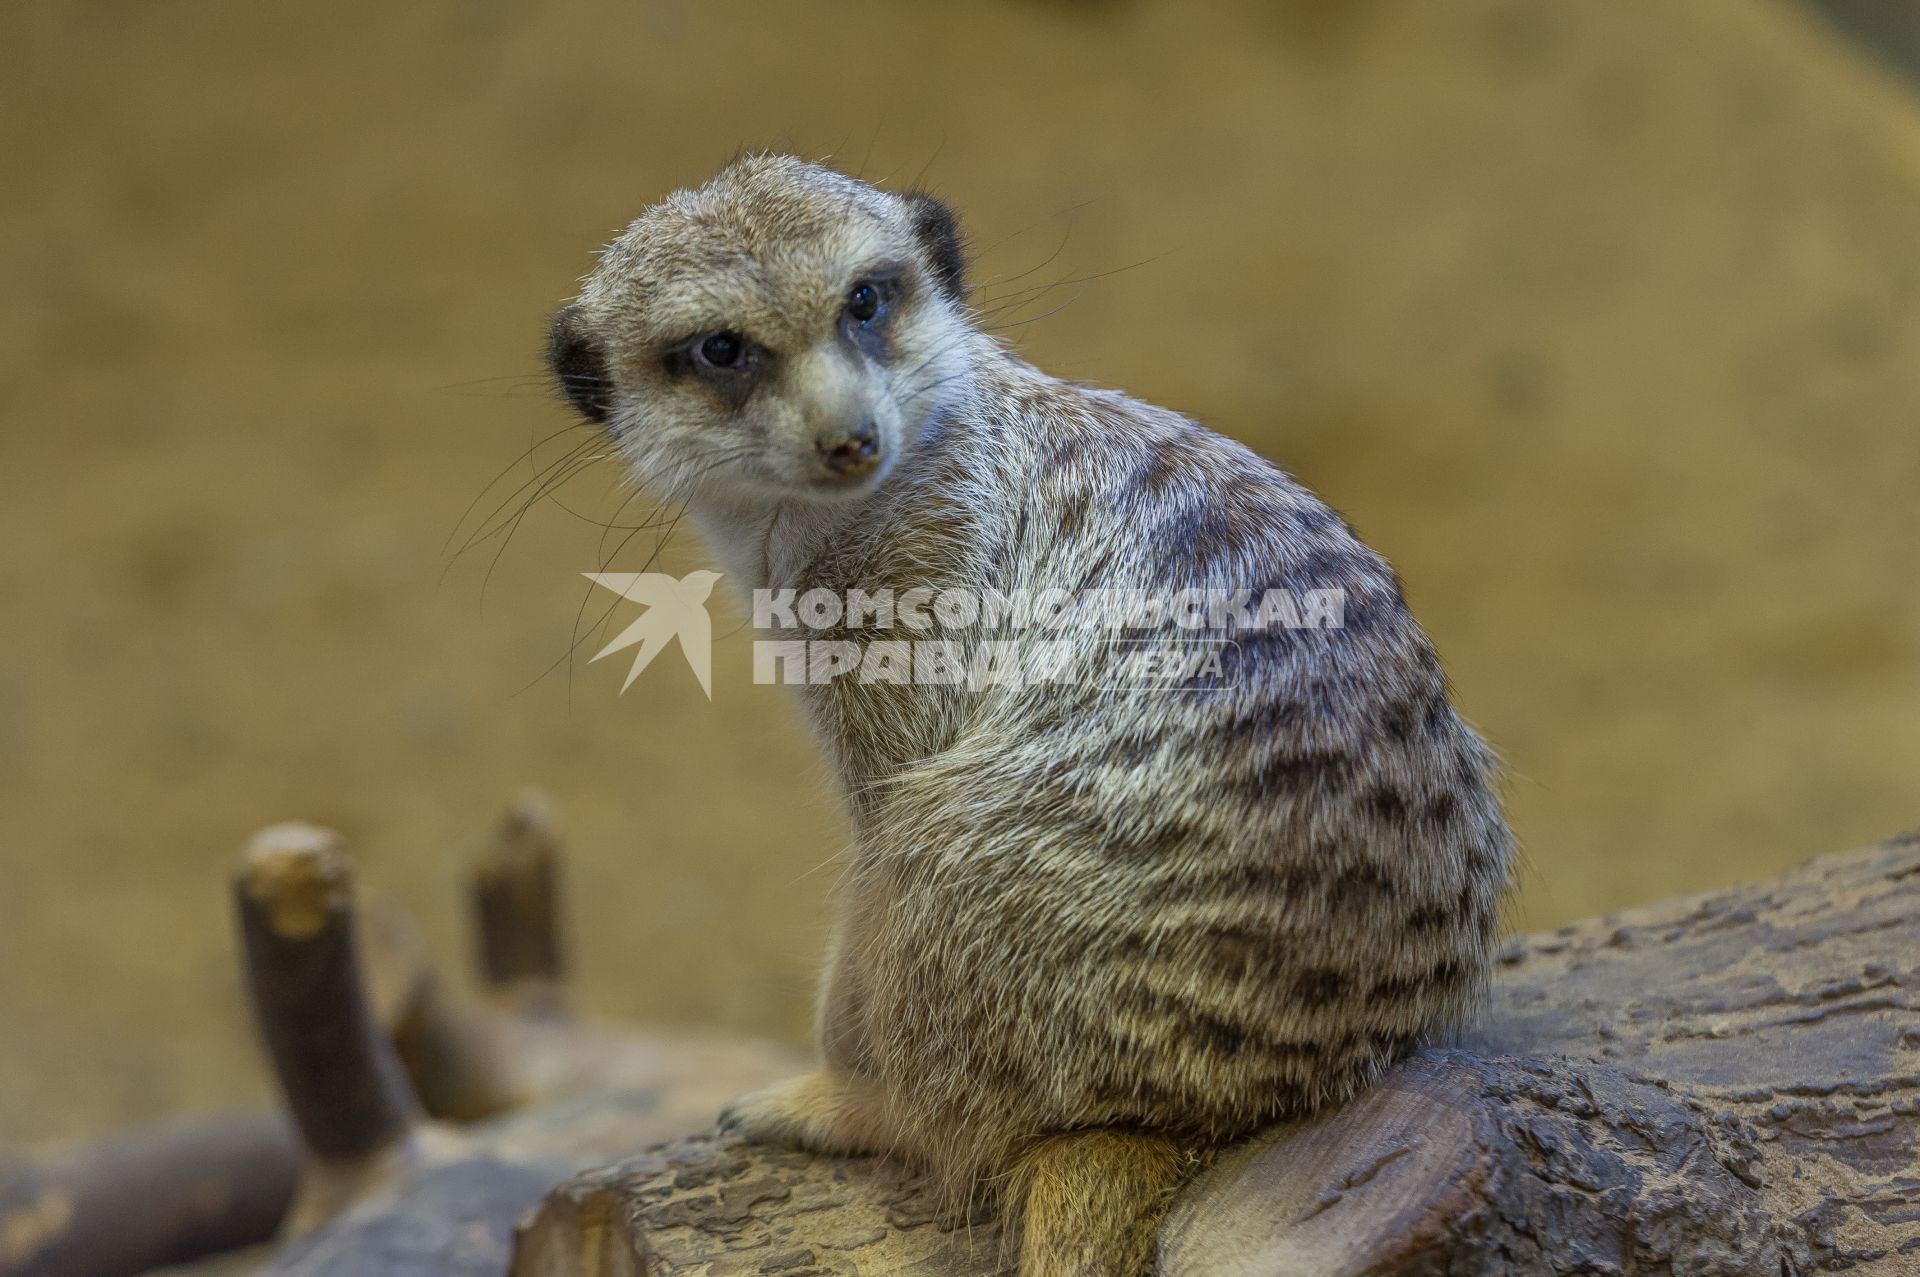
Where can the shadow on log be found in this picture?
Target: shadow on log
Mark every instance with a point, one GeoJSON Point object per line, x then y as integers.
{"type": "Point", "coordinates": [1718, 1084]}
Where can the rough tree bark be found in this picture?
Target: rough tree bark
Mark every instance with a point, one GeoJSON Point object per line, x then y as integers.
{"type": "Point", "coordinates": [1726, 1083]}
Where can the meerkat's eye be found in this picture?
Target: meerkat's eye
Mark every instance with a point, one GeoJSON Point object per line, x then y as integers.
{"type": "Point", "coordinates": [865, 303]}
{"type": "Point", "coordinates": [721, 350]}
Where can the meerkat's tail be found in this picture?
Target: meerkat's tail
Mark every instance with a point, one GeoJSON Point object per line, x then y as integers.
{"type": "Point", "coordinates": [1090, 1203]}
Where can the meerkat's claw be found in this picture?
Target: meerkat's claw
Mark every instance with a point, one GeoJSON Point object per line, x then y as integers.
{"type": "Point", "coordinates": [817, 1112]}
{"type": "Point", "coordinates": [730, 1122]}
{"type": "Point", "coordinates": [772, 1115]}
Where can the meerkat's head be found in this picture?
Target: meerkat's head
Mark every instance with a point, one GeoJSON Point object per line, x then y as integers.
{"type": "Point", "coordinates": [782, 331]}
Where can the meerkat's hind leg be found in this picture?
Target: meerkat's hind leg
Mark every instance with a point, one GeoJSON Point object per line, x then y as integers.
{"type": "Point", "coordinates": [1090, 1203]}
{"type": "Point", "coordinates": [823, 1112]}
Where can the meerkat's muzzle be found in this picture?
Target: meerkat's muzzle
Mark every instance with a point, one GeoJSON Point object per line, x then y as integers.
{"type": "Point", "coordinates": [850, 454]}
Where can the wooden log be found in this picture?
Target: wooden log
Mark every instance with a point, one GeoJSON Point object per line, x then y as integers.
{"type": "Point", "coordinates": [1788, 1010]}
{"type": "Point", "coordinates": [163, 1195]}
{"type": "Point", "coordinates": [1726, 1083]}
{"type": "Point", "coordinates": [1471, 1165]}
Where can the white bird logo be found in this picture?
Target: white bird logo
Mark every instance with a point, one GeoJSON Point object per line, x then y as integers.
{"type": "Point", "coordinates": [676, 608]}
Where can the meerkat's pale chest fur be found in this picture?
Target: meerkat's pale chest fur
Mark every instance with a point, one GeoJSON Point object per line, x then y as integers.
{"type": "Point", "coordinates": [1086, 930]}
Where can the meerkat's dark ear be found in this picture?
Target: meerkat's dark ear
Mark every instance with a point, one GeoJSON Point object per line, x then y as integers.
{"type": "Point", "coordinates": [939, 235]}
{"type": "Point", "coordinates": [579, 367]}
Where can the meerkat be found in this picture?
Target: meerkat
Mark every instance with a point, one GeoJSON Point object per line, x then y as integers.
{"type": "Point", "coordinates": [1085, 933]}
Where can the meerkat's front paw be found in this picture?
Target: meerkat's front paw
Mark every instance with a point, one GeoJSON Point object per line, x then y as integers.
{"type": "Point", "coordinates": [816, 1112]}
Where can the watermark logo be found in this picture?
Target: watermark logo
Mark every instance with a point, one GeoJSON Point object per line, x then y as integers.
{"type": "Point", "coordinates": [676, 609]}
{"type": "Point", "coordinates": [1187, 639]}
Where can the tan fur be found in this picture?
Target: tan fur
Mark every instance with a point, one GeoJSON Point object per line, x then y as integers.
{"type": "Point", "coordinates": [1083, 932]}
{"type": "Point", "coordinates": [1092, 1201]}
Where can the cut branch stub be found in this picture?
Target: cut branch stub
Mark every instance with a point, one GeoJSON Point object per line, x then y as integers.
{"type": "Point", "coordinates": [516, 899]}
{"type": "Point", "coordinates": [453, 1052]}
{"type": "Point", "coordinates": [342, 1081]}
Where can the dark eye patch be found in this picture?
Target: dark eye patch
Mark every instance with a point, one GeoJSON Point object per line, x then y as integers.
{"type": "Point", "coordinates": [724, 359]}
{"type": "Point", "coordinates": [868, 309]}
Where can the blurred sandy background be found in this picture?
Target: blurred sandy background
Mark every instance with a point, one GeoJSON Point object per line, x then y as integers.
{"type": "Point", "coordinates": [1599, 319]}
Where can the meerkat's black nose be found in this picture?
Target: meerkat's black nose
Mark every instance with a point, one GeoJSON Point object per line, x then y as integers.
{"type": "Point", "coordinates": [854, 453]}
